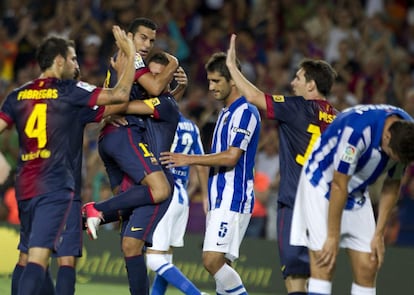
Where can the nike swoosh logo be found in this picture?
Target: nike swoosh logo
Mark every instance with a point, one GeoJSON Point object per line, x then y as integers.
{"type": "Point", "coordinates": [136, 228]}
{"type": "Point", "coordinates": [221, 244]}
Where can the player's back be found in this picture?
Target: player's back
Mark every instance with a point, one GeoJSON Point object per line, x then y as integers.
{"type": "Point", "coordinates": [300, 123]}
{"type": "Point", "coordinates": [186, 141]}
{"type": "Point", "coordinates": [357, 133]}
{"type": "Point", "coordinates": [43, 111]}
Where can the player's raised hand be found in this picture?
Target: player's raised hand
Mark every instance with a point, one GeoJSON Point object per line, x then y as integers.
{"type": "Point", "coordinates": [123, 42]}
{"type": "Point", "coordinates": [231, 52]}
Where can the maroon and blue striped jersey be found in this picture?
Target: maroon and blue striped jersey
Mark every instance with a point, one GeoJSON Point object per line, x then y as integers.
{"type": "Point", "coordinates": [44, 112]}
{"type": "Point", "coordinates": [137, 91]}
{"type": "Point", "coordinates": [161, 126]}
{"type": "Point", "coordinates": [300, 123]}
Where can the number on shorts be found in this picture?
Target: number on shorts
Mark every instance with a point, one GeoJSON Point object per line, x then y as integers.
{"type": "Point", "coordinates": [144, 148]}
{"type": "Point", "coordinates": [223, 230]}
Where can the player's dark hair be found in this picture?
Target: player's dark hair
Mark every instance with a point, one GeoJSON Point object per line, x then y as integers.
{"type": "Point", "coordinates": [159, 58]}
{"type": "Point", "coordinates": [141, 21]}
{"type": "Point", "coordinates": [319, 71]}
{"type": "Point", "coordinates": [402, 140]}
{"type": "Point", "coordinates": [217, 63]}
{"type": "Point", "coordinates": [50, 48]}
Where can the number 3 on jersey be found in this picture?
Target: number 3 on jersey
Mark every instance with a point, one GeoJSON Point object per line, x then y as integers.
{"type": "Point", "coordinates": [315, 132]}
{"type": "Point", "coordinates": [36, 125]}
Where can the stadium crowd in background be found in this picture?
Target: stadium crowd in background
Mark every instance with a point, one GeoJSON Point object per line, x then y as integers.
{"type": "Point", "coordinates": [370, 44]}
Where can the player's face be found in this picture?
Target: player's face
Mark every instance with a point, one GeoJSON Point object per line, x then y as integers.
{"type": "Point", "coordinates": [299, 84]}
{"type": "Point", "coordinates": [218, 85]}
{"type": "Point", "coordinates": [71, 66]}
{"type": "Point", "coordinates": [144, 39]}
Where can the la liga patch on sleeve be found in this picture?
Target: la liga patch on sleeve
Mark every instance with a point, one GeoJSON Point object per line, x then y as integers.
{"type": "Point", "coordinates": [349, 154]}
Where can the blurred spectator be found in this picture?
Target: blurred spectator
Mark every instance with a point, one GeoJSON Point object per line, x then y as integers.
{"type": "Point", "coordinates": [405, 235]}
{"type": "Point", "coordinates": [210, 40]}
{"type": "Point", "coordinates": [266, 185]}
{"type": "Point", "coordinates": [408, 103]}
{"type": "Point", "coordinates": [8, 203]}
{"type": "Point", "coordinates": [252, 57]}
{"type": "Point", "coordinates": [274, 76]}
{"type": "Point", "coordinates": [340, 97]}
{"type": "Point", "coordinates": [405, 214]}
{"type": "Point", "coordinates": [8, 54]}
{"type": "Point", "coordinates": [401, 77]}
{"type": "Point", "coordinates": [169, 37]}
{"type": "Point", "coordinates": [94, 65]}
{"type": "Point", "coordinates": [371, 83]}
{"type": "Point", "coordinates": [346, 64]}
{"type": "Point", "coordinates": [9, 147]}
{"type": "Point", "coordinates": [319, 25]}
{"type": "Point", "coordinates": [342, 29]}
{"type": "Point", "coordinates": [400, 228]}
{"type": "Point", "coordinates": [257, 224]}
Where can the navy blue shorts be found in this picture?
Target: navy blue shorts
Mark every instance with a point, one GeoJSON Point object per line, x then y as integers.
{"type": "Point", "coordinates": [42, 220]}
{"type": "Point", "coordinates": [143, 221]}
{"type": "Point", "coordinates": [124, 152]}
{"type": "Point", "coordinates": [294, 259]}
{"type": "Point", "coordinates": [72, 235]}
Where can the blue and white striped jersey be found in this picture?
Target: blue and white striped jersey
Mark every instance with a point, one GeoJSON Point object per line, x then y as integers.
{"type": "Point", "coordinates": [352, 145]}
{"type": "Point", "coordinates": [232, 188]}
{"type": "Point", "coordinates": [187, 140]}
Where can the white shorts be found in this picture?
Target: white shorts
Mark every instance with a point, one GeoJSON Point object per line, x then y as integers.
{"type": "Point", "coordinates": [171, 228]}
{"type": "Point", "coordinates": [310, 221]}
{"type": "Point", "coordinates": [225, 231]}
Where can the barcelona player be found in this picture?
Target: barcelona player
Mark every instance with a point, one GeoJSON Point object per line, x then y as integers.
{"type": "Point", "coordinates": [43, 111]}
{"type": "Point", "coordinates": [301, 119]}
{"type": "Point", "coordinates": [130, 157]}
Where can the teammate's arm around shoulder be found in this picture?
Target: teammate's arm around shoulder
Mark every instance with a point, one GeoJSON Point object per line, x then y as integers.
{"type": "Point", "coordinates": [155, 84]}
{"type": "Point", "coordinates": [251, 92]}
{"type": "Point", "coordinates": [125, 64]}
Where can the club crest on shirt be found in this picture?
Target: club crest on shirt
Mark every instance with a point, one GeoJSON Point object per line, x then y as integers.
{"type": "Point", "coordinates": [86, 86]}
{"type": "Point", "coordinates": [349, 155]}
{"type": "Point", "coordinates": [278, 98]}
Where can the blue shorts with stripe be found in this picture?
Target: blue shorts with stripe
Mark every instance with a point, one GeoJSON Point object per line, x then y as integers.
{"type": "Point", "coordinates": [294, 260]}
{"type": "Point", "coordinates": [125, 152]}
{"type": "Point", "coordinates": [72, 236]}
{"type": "Point", "coordinates": [42, 220]}
{"type": "Point", "coordinates": [143, 221]}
